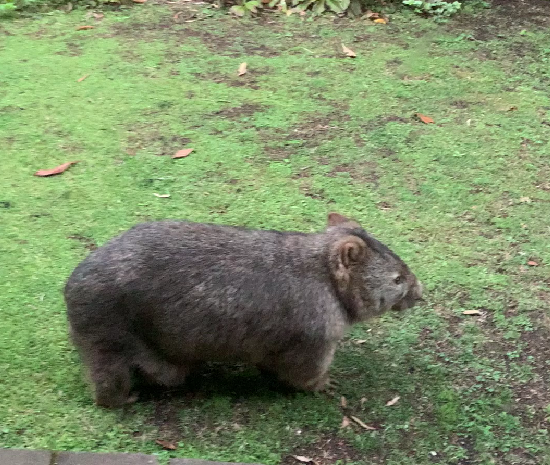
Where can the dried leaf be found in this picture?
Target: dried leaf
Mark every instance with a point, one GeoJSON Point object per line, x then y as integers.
{"type": "Point", "coordinates": [363, 400]}
{"type": "Point", "coordinates": [532, 263]}
{"type": "Point", "coordinates": [82, 78]}
{"type": "Point", "coordinates": [380, 21]}
{"type": "Point", "coordinates": [394, 401]}
{"type": "Point", "coordinates": [360, 341]}
{"type": "Point", "coordinates": [514, 108]}
{"type": "Point", "coordinates": [345, 422]}
{"type": "Point", "coordinates": [303, 459]}
{"type": "Point", "coordinates": [348, 51]}
{"type": "Point", "coordinates": [525, 200]}
{"type": "Point", "coordinates": [362, 424]}
{"type": "Point", "coordinates": [343, 402]}
{"type": "Point", "coordinates": [139, 1]}
{"type": "Point", "coordinates": [471, 312]}
{"type": "Point", "coordinates": [371, 15]}
{"type": "Point", "coordinates": [242, 69]}
{"type": "Point", "coordinates": [166, 445]}
{"type": "Point", "coordinates": [98, 16]}
{"type": "Point", "coordinates": [161, 196]}
{"type": "Point", "coordinates": [57, 170]}
{"type": "Point", "coordinates": [425, 119]}
{"type": "Point", "coordinates": [84, 28]}
{"type": "Point", "coordinates": [182, 153]}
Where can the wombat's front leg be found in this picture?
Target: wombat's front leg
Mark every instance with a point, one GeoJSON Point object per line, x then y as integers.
{"type": "Point", "coordinates": [112, 380]}
{"type": "Point", "coordinates": [307, 370]}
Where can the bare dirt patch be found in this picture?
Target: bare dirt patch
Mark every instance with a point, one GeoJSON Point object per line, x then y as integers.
{"type": "Point", "coordinates": [506, 17]}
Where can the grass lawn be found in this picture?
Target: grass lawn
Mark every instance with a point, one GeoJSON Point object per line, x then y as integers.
{"type": "Point", "coordinates": [465, 201]}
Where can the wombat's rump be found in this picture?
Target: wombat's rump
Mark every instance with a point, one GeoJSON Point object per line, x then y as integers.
{"type": "Point", "coordinates": [166, 295]}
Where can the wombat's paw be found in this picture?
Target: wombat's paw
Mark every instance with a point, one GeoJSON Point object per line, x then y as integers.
{"type": "Point", "coordinates": [133, 398]}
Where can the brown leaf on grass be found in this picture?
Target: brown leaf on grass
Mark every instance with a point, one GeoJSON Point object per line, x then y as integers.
{"type": "Point", "coordinates": [425, 119]}
{"type": "Point", "coordinates": [166, 445]}
{"type": "Point", "coordinates": [57, 170]}
{"type": "Point", "coordinates": [84, 28]}
{"type": "Point", "coordinates": [394, 401]}
{"type": "Point", "coordinates": [348, 51]}
{"type": "Point", "coordinates": [343, 402]}
{"type": "Point", "coordinates": [82, 78]}
{"type": "Point", "coordinates": [303, 459]}
{"type": "Point", "coordinates": [182, 153]}
{"type": "Point", "coordinates": [471, 312]}
{"type": "Point", "coordinates": [363, 424]}
{"type": "Point", "coordinates": [242, 69]}
{"type": "Point", "coordinates": [345, 422]}
{"type": "Point", "coordinates": [380, 21]}
{"type": "Point", "coordinates": [98, 16]}
{"type": "Point", "coordinates": [532, 263]}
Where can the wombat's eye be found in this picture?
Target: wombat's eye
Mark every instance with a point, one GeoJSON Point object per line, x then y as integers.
{"type": "Point", "coordinates": [399, 280]}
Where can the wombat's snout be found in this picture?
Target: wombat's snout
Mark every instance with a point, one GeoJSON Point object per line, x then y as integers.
{"type": "Point", "coordinates": [410, 299]}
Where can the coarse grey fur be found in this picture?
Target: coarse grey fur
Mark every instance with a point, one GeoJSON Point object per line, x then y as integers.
{"type": "Point", "coordinates": [167, 295]}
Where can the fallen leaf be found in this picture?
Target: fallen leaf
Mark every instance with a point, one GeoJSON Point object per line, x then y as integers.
{"type": "Point", "coordinates": [425, 119]}
{"type": "Point", "coordinates": [371, 15]}
{"type": "Point", "coordinates": [360, 341]}
{"type": "Point", "coordinates": [348, 51]}
{"type": "Point", "coordinates": [161, 196]}
{"type": "Point", "coordinates": [380, 21]}
{"type": "Point", "coordinates": [139, 1]}
{"type": "Point", "coordinates": [514, 108]}
{"type": "Point", "coordinates": [166, 445]}
{"type": "Point", "coordinates": [532, 263]}
{"type": "Point", "coordinates": [362, 424]}
{"type": "Point", "coordinates": [98, 16]}
{"type": "Point", "coordinates": [182, 153]}
{"type": "Point", "coordinates": [363, 400]}
{"type": "Point", "coordinates": [242, 69]}
{"type": "Point", "coordinates": [83, 28]}
{"type": "Point", "coordinates": [471, 312]}
{"type": "Point", "coordinates": [394, 401]}
{"type": "Point", "coordinates": [83, 77]}
{"type": "Point", "coordinates": [343, 402]}
{"type": "Point", "coordinates": [302, 458]}
{"type": "Point", "coordinates": [525, 200]}
{"type": "Point", "coordinates": [345, 422]}
{"type": "Point", "coordinates": [57, 170]}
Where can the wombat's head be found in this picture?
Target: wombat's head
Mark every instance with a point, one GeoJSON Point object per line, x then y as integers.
{"type": "Point", "coordinates": [370, 278]}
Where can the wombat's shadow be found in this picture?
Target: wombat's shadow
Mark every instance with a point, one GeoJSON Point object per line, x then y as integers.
{"type": "Point", "coordinates": [223, 380]}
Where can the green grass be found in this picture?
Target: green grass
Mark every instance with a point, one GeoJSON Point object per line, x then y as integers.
{"type": "Point", "coordinates": [306, 131]}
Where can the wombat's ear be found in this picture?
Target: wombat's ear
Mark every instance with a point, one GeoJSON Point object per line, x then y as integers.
{"type": "Point", "coordinates": [335, 219]}
{"type": "Point", "coordinates": [345, 252]}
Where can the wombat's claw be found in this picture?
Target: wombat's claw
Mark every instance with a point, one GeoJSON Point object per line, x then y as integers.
{"type": "Point", "coordinates": [330, 387]}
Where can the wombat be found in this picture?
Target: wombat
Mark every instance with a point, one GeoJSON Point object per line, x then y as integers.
{"type": "Point", "coordinates": [167, 295]}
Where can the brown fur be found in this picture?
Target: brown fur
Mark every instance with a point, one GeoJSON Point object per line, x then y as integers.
{"type": "Point", "coordinates": [167, 295]}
